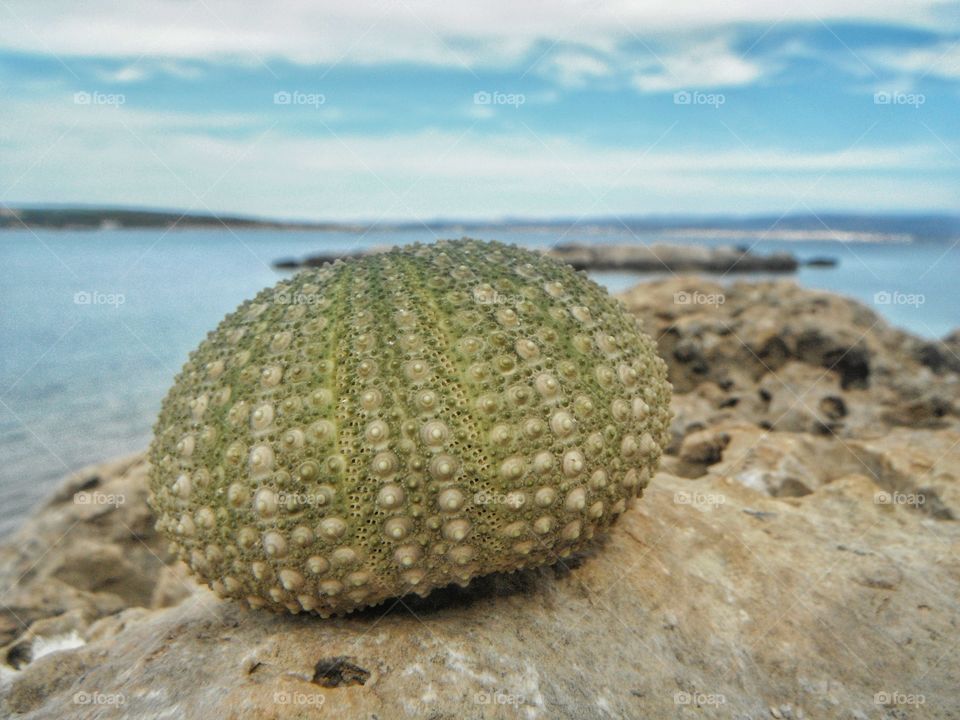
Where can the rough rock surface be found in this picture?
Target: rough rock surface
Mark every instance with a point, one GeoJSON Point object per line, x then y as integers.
{"type": "Point", "coordinates": [88, 553]}
{"type": "Point", "coordinates": [787, 358]}
{"type": "Point", "coordinates": [798, 556]}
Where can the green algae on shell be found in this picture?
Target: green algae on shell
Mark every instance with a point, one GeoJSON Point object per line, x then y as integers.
{"type": "Point", "coordinates": [399, 422]}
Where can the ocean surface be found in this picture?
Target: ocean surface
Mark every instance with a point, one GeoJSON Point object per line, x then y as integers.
{"type": "Point", "coordinates": [94, 325]}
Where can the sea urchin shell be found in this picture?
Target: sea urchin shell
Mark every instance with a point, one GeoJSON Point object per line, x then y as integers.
{"type": "Point", "coordinates": [403, 421]}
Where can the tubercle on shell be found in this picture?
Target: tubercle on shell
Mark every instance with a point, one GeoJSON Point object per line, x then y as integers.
{"type": "Point", "coordinates": [403, 421]}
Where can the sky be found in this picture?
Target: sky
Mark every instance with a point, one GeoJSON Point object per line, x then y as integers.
{"type": "Point", "coordinates": [415, 109]}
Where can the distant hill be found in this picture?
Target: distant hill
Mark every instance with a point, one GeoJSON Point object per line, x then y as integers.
{"type": "Point", "coordinates": [824, 226]}
{"type": "Point", "coordinates": [110, 218]}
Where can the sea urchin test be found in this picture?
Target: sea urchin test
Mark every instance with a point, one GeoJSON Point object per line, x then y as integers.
{"type": "Point", "coordinates": [403, 421]}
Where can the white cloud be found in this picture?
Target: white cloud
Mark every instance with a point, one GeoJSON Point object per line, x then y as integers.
{"type": "Point", "coordinates": [495, 33]}
{"type": "Point", "coordinates": [573, 69]}
{"type": "Point", "coordinates": [139, 157]}
{"type": "Point", "coordinates": [940, 60]}
{"type": "Point", "coordinates": [145, 68]}
{"type": "Point", "coordinates": [126, 74]}
{"type": "Point", "coordinates": [712, 64]}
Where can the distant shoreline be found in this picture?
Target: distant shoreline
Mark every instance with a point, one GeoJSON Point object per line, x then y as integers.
{"type": "Point", "coordinates": [93, 220]}
{"type": "Point", "coordinates": [823, 227]}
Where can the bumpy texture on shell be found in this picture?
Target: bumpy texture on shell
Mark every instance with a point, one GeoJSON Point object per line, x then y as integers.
{"type": "Point", "coordinates": [400, 422]}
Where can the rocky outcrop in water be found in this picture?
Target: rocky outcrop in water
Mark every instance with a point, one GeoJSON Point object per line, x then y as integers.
{"type": "Point", "coordinates": [673, 258]}
{"type": "Point", "coordinates": [657, 258]}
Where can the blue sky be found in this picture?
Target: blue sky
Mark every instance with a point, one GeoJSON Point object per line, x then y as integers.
{"type": "Point", "coordinates": [402, 110]}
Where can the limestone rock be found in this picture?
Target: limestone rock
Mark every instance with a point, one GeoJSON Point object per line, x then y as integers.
{"type": "Point", "coordinates": [773, 569]}
{"type": "Point", "coordinates": [773, 353]}
{"type": "Point", "coordinates": [92, 547]}
{"type": "Point", "coordinates": [708, 593]}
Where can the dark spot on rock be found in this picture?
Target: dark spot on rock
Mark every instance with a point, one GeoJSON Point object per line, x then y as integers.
{"type": "Point", "coordinates": [19, 655]}
{"type": "Point", "coordinates": [89, 483]}
{"type": "Point", "coordinates": [704, 449]}
{"type": "Point", "coordinates": [833, 407]}
{"type": "Point", "coordinates": [855, 551]}
{"type": "Point", "coordinates": [792, 487]}
{"type": "Point", "coordinates": [764, 395]}
{"type": "Point", "coordinates": [853, 364]}
{"type": "Point", "coordinates": [924, 412]}
{"type": "Point", "coordinates": [774, 353]}
{"type": "Point", "coordinates": [729, 402]}
{"type": "Point", "coordinates": [689, 352]}
{"type": "Point", "coordinates": [76, 485]}
{"type": "Point", "coordinates": [937, 356]}
{"type": "Point", "coordinates": [821, 428]}
{"type": "Point", "coordinates": [685, 352]}
{"type": "Point", "coordinates": [338, 672]}
{"type": "Point", "coordinates": [933, 505]}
